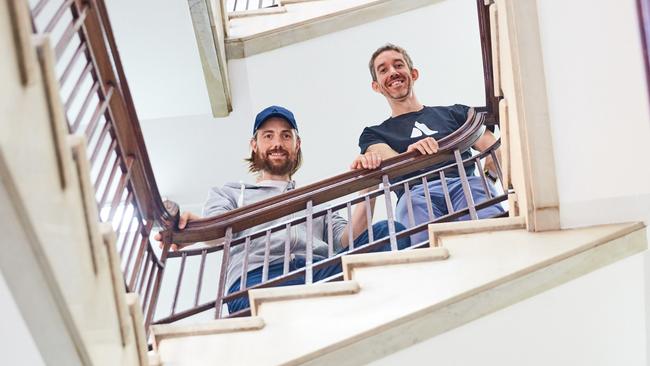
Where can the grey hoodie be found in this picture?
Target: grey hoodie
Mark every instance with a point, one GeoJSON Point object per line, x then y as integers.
{"type": "Point", "coordinates": [234, 195]}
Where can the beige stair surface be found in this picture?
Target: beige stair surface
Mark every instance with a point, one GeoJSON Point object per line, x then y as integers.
{"type": "Point", "coordinates": [402, 304]}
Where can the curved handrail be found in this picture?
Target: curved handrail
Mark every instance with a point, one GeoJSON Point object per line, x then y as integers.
{"type": "Point", "coordinates": [212, 228]}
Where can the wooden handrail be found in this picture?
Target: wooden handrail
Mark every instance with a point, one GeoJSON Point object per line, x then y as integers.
{"type": "Point", "coordinates": [212, 228]}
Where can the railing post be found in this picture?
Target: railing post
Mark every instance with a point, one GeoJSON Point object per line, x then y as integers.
{"type": "Point", "coordinates": [223, 273]}
{"type": "Point", "coordinates": [389, 213]}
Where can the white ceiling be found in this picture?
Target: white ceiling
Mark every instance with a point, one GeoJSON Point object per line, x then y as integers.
{"type": "Point", "coordinates": [325, 81]}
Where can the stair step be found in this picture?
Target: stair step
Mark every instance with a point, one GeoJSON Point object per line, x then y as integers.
{"type": "Point", "coordinates": [285, 293]}
{"type": "Point", "coordinates": [351, 262]}
{"type": "Point", "coordinates": [168, 331]}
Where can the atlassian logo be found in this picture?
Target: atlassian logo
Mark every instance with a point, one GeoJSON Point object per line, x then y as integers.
{"type": "Point", "coordinates": [420, 128]}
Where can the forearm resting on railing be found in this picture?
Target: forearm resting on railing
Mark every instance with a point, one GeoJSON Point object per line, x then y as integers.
{"type": "Point", "coordinates": [359, 219]}
{"type": "Point", "coordinates": [484, 143]}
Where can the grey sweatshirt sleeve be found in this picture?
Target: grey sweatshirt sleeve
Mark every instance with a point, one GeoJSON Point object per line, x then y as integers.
{"type": "Point", "coordinates": [218, 202]}
{"type": "Point", "coordinates": [338, 230]}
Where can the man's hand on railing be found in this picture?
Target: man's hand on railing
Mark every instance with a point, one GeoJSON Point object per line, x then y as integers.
{"type": "Point", "coordinates": [426, 146]}
{"type": "Point", "coordinates": [182, 222]}
{"type": "Point", "coordinates": [369, 160]}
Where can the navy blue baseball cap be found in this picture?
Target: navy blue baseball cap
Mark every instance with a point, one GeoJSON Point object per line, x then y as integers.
{"type": "Point", "coordinates": [274, 111]}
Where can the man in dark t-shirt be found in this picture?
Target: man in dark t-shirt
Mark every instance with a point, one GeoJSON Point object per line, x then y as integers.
{"type": "Point", "coordinates": [413, 126]}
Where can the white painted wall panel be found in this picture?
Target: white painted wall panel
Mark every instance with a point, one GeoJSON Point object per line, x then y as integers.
{"type": "Point", "coordinates": [595, 320]}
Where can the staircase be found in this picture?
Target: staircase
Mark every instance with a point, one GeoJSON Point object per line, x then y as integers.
{"type": "Point", "coordinates": [97, 283]}
{"type": "Point", "coordinates": [60, 263]}
{"type": "Point", "coordinates": [391, 301]}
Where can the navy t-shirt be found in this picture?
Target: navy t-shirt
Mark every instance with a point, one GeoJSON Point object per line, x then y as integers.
{"type": "Point", "coordinates": [401, 131]}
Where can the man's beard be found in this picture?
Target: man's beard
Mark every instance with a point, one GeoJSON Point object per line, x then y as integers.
{"type": "Point", "coordinates": [263, 162]}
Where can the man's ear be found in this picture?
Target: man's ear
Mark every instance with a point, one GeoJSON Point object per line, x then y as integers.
{"type": "Point", "coordinates": [253, 145]}
{"type": "Point", "coordinates": [375, 86]}
{"type": "Point", "coordinates": [415, 74]}
{"type": "Point", "coordinates": [298, 143]}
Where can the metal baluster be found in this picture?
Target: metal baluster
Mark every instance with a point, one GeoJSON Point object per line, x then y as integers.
{"type": "Point", "coordinates": [427, 196]}
{"type": "Point", "coordinates": [497, 166]}
{"type": "Point", "coordinates": [287, 250]}
{"type": "Point", "coordinates": [223, 273]}
{"type": "Point", "coordinates": [80, 50]}
{"type": "Point", "coordinates": [310, 242]}
{"type": "Point", "coordinates": [371, 234]}
{"type": "Point", "coordinates": [179, 281]}
{"type": "Point", "coordinates": [267, 250]}
{"type": "Point", "coordinates": [244, 269]}
{"type": "Point", "coordinates": [466, 188]}
{"type": "Point", "coordinates": [483, 178]}
{"type": "Point", "coordinates": [409, 204]}
{"type": "Point", "coordinates": [445, 192]}
{"type": "Point", "coordinates": [389, 213]}
{"type": "Point", "coordinates": [199, 284]}
{"type": "Point", "coordinates": [350, 228]}
{"type": "Point", "coordinates": [330, 234]}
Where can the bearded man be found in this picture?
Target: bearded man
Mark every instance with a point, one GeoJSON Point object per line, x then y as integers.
{"type": "Point", "coordinates": [275, 157]}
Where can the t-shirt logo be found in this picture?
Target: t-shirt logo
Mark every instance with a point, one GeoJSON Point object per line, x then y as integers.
{"type": "Point", "coordinates": [420, 128]}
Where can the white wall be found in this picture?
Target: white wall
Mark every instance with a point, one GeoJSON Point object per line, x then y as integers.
{"type": "Point", "coordinates": [326, 83]}
{"type": "Point", "coordinates": [598, 105]}
{"type": "Point", "coordinates": [16, 344]}
{"type": "Point", "coordinates": [160, 56]}
{"type": "Point", "coordinates": [595, 320]}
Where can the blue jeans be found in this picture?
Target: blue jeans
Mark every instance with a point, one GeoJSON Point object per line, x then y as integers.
{"type": "Point", "coordinates": [439, 205]}
{"type": "Point", "coordinates": [380, 230]}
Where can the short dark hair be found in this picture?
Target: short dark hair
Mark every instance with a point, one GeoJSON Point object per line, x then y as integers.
{"type": "Point", "coordinates": [384, 48]}
{"type": "Point", "coordinates": [255, 165]}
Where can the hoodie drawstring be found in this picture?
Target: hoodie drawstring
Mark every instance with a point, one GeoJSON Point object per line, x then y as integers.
{"type": "Point", "coordinates": [240, 200]}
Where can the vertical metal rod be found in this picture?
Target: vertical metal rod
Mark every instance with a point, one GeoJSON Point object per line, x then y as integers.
{"type": "Point", "coordinates": [149, 282]}
{"type": "Point", "coordinates": [483, 178]}
{"type": "Point", "coordinates": [287, 250]}
{"type": "Point", "coordinates": [69, 32]}
{"type": "Point", "coordinates": [199, 284]}
{"type": "Point", "coordinates": [138, 235]}
{"type": "Point", "coordinates": [427, 196]}
{"type": "Point", "coordinates": [244, 269]}
{"type": "Point", "coordinates": [330, 234]}
{"type": "Point", "coordinates": [125, 206]}
{"type": "Point", "coordinates": [57, 16]}
{"type": "Point", "coordinates": [409, 204]}
{"type": "Point", "coordinates": [179, 281]}
{"type": "Point", "coordinates": [445, 192]}
{"type": "Point", "coordinates": [267, 250]}
{"type": "Point", "coordinates": [126, 236]}
{"type": "Point", "coordinates": [350, 228]}
{"type": "Point", "coordinates": [371, 234]}
{"type": "Point", "coordinates": [77, 86]}
{"type": "Point", "coordinates": [466, 189]}
{"type": "Point", "coordinates": [92, 93]}
{"type": "Point", "coordinates": [497, 166]}
{"type": "Point", "coordinates": [99, 144]}
{"type": "Point", "coordinates": [389, 213]}
{"type": "Point", "coordinates": [138, 263]}
{"type": "Point", "coordinates": [146, 268]}
{"type": "Point", "coordinates": [94, 121]}
{"type": "Point", "coordinates": [310, 242]}
{"type": "Point", "coordinates": [64, 76]}
{"type": "Point", "coordinates": [223, 273]}
{"type": "Point", "coordinates": [109, 183]}
{"type": "Point", "coordinates": [102, 168]}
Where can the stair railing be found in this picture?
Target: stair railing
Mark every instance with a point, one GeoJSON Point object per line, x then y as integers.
{"type": "Point", "coordinates": [248, 231]}
{"type": "Point", "coordinates": [98, 106]}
